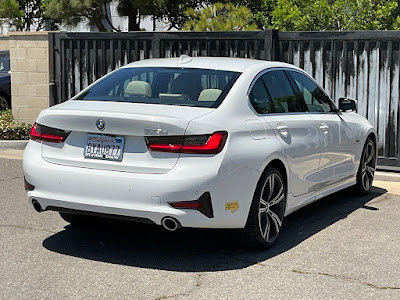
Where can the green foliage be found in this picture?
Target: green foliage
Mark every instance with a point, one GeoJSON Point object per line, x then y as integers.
{"type": "Point", "coordinates": [23, 13]}
{"type": "Point", "coordinates": [9, 10]}
{"type": "Point", "coordinates": [220, 17]}
{"type": "Point", "coordinates": [173, 11]}
{"type": "Point", "coordinates": [335, 15]}
{"type": "Point", "coordinates": [71, 12]}
{"type": "Point", "coordinates": [262, 12]}
{"type": "Point", "coordinates": [11, 129]}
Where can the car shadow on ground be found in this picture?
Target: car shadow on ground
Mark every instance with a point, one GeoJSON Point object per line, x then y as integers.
{"type": "Point", "coordinates": [198, 250]}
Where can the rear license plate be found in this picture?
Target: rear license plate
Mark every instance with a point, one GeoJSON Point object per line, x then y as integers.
{"type": "Point", "coordinates": [104, 147]}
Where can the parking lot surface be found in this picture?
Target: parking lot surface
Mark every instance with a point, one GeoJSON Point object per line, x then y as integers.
{"type": "Point", "coordinates": [341, 247]}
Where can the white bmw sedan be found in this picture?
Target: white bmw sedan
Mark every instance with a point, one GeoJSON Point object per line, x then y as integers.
{"type": "Point", "coordinates": [198, 142]}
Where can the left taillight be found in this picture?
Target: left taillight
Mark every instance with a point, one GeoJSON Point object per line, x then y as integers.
{"type": "Point", "coordinates": [48, 134]}
{"type": "Point", "coordinates": [197, 144]}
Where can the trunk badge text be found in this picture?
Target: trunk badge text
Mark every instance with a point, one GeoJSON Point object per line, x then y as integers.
{"type": "Point", "coordinates": [100, 124]}
{"type": "Point", "coordinates": [154, 131]}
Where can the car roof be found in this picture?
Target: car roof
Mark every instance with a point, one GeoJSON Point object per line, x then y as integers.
{"type": "Point", "coordinates": [212, 63]}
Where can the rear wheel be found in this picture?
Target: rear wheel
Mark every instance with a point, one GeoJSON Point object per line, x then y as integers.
{"type": "Point", "coordinates": [366, 170]}
{"type": "Point", "coordinates": [267, 210]}
{"type": "Point", "coordinates": [4, 103]}
{"type": "Point", "coordinates": [75, 219]}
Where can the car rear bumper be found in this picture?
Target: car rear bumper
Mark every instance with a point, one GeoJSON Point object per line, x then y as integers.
{"type": "Point", "coordinates": [144, 196]}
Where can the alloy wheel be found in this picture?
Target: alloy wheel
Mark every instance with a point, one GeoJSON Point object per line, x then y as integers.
{"type": "Point", "coordinates": [368, 165]}
{"type": "Point", "coordinates": [271, 207]}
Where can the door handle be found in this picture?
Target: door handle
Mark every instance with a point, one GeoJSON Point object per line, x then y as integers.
{"type": "Point", "coordinates": [324, 128]}
{"type": "Point", "coordinates": [283, 129]}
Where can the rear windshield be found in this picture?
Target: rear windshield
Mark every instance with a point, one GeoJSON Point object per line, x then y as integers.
{"type": "Point", "coordinates": [171, 86]}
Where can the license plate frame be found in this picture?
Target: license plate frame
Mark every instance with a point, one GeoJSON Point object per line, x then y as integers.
{"type": "Point", "coordinates": [96, 147]}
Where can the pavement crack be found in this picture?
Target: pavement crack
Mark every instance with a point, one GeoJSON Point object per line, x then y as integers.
{"type": "Point", "coordinates": [27, 228]}
{"type": "Point", "coordinates": [348, 279]}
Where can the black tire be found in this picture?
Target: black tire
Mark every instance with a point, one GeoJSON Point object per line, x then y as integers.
{"type": "Point", "coordinates": [76, 219]}
{"type": "Point", "coordinates": [266, 211]}
{"type": "Point", "coordinates": [366, 170]}
{"type": "Point", "coordinates": [4, 104]}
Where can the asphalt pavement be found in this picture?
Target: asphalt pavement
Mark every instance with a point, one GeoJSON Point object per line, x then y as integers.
{"type": "Point", "coordinates": [341, 247]}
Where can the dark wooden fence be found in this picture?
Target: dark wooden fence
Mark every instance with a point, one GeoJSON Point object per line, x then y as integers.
{"type": "Point", "coordinates": [362, 64]}
{"type": "Point", "coordinates": [81, 58]}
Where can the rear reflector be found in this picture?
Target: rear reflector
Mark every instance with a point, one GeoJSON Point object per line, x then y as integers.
{"type": "Point", "coordinates": [198, 144]}
{"type": "Point", "coordinates": [203, 205]}
{"type": "Point", "coordinates": [28, 186]}
{"type": "Point", "coordinates": [48, 134]}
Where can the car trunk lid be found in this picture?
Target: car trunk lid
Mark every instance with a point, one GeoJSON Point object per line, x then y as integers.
{"type": "Point", "coordinates": [131, 121]}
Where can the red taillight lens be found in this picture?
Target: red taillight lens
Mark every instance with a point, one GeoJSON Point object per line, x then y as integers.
{"type": "Point", "coordinates": [199, 144]}
{"type": "Point", "coordinates": [47, 134]}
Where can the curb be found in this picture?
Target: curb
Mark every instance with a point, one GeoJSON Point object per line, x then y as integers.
{"type": "Point", "coordinates": [13, 144]}
{"type": "Point", "coordinates": [387, 176]}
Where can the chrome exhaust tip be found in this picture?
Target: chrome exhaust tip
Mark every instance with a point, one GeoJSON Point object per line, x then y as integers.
{"type": "Point", "coordinates": [170, 224]}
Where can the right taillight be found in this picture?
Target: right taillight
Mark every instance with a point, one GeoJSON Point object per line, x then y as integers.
{"type": "Point", "coordinates": [48, 134]}
{"type": "Point", "coordinates": [198, 144]}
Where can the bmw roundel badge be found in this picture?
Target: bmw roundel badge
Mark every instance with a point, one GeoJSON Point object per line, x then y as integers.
{"type": "Point", "coordinates": [100, 124]}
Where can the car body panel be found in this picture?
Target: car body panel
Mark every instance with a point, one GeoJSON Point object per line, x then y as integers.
{"type": "Point", "coordinates": [298, 135]}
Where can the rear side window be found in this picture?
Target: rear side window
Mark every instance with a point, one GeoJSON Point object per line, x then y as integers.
{"type": "Point", "coordinates": [282, 94]}
{"type": "Point", "coordinates": [156, 85]}
{"type": "Point", "coordinates": [260, 99]}
{"type": "Point", "coordinates": [314, 97]}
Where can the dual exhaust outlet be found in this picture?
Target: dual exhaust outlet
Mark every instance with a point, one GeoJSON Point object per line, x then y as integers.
{"type": "Point", "coordinates": [169, 223]}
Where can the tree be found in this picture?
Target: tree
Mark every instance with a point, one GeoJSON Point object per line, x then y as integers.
{"type": "Point", "coordinates": [219, 17]}
{"type": "Point", "coordinates": [173, 11]}
{"type": "Point", "coordinates": [133, 9]}
{"type": "Point", "coordinates": [335, 15]}
{"type": "Point", "coordinates": [24, 13]}
{"type": "Point", "coordinates": [261, 10]}
{"type": "Point", "coordinates": [71, 12]}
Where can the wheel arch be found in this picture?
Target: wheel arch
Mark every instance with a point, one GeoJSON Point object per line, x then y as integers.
{"type": "Point", "coordinates": [374, 138]}
{"type": "Point", "coordinates": [250, 223]}
{"type": "Point", "coordinates": [277, 163]}
{"type": "Point", "coordinates": [281, 166]}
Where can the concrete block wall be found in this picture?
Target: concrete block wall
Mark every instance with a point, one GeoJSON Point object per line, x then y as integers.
{"type": "Point", "coordinates": [30, 90]}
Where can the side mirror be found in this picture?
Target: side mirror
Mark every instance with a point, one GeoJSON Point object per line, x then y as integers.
{"type": "Point", "coordinates": [347, 104]}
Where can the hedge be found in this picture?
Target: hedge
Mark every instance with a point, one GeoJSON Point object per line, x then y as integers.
{"type": "Point", "coordinates": [11, 129]}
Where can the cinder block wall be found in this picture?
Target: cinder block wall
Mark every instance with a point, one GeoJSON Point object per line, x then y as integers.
{"type": "Point", "coordinates": [30, 91]}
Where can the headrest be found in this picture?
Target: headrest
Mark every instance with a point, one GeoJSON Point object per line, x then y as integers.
{"type": "Point", "coordinates": [138, 88]}
{"type": "Point", "coordinates": [209, 95]}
